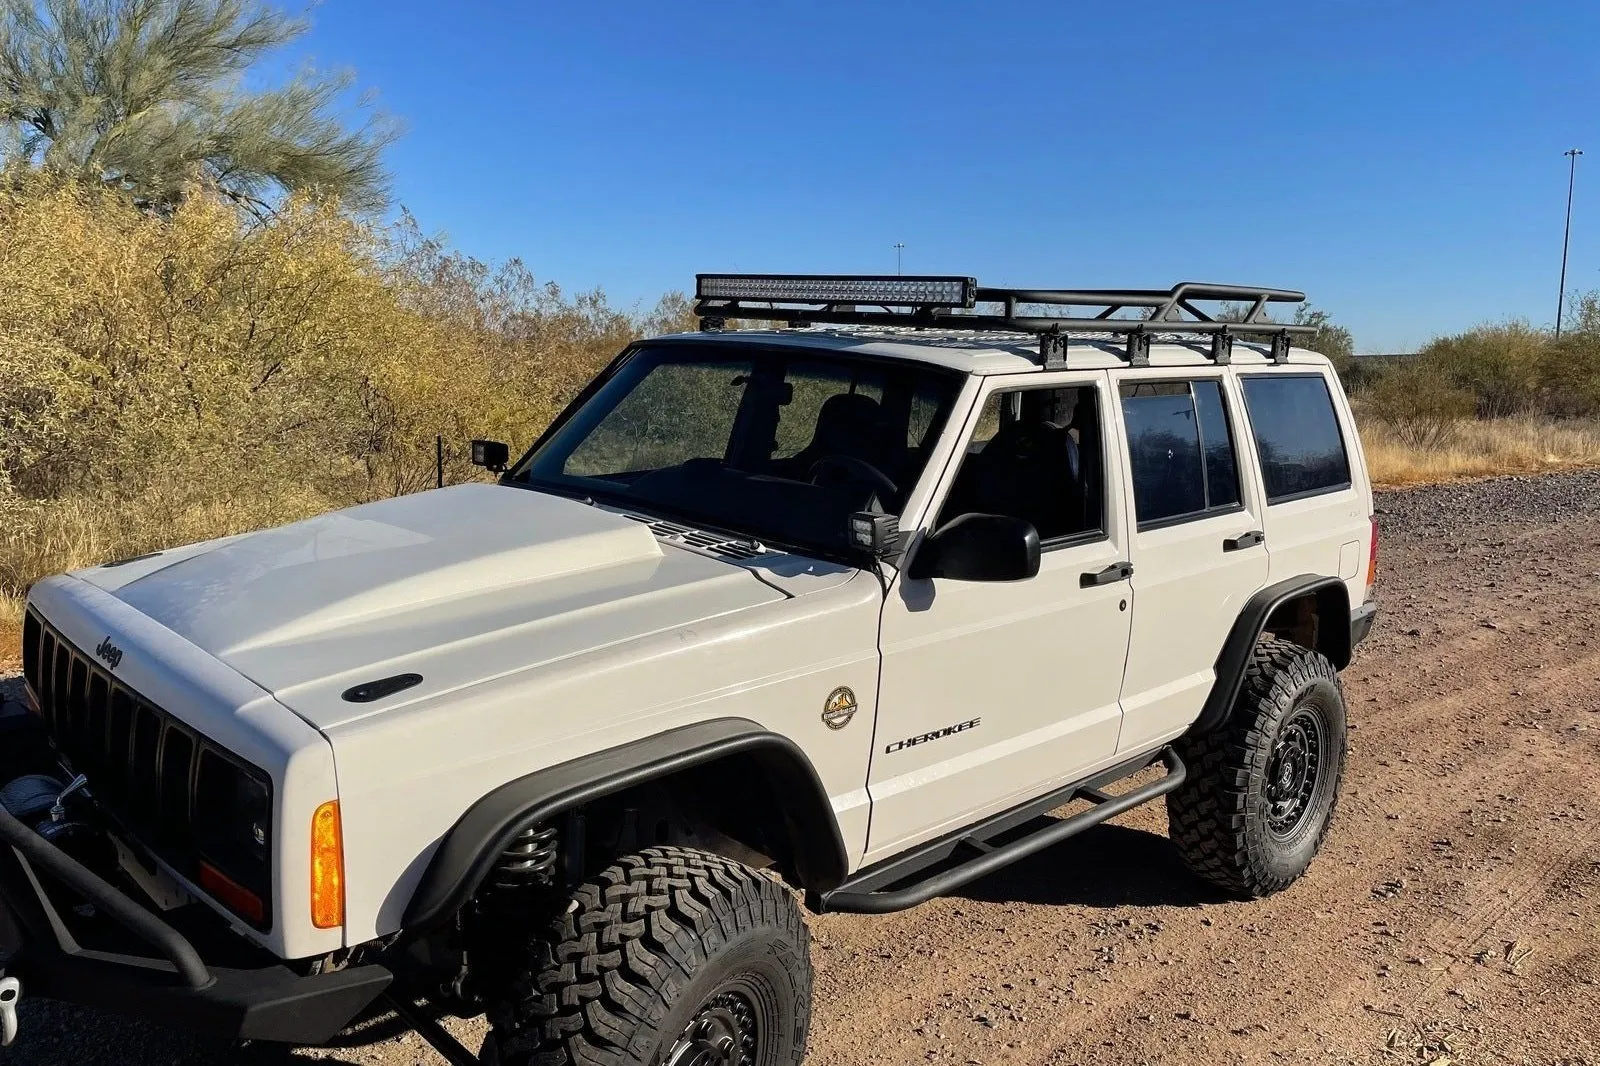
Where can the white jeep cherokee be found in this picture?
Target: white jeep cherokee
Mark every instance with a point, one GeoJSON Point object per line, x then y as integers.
{"type": "Point", "coordinates": [846, 608]}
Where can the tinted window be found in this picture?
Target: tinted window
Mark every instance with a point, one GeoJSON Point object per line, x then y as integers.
{"type": "Point", "coordinates": [1034, 455]}
{"type": "Point", "coordinates": [1297, 435]}
{"type": "Point", "coordinates": [1180, 448]}
{"type": "Point", "coordinates": [1216, 440]}
{"type": "Point", "coordinates": [1164, 447]}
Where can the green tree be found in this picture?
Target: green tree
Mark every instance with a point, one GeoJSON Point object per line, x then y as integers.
{"type": "Point", "coordinates": [1331, 339]}
{"type": "Point", "coordinates": [147, 96]}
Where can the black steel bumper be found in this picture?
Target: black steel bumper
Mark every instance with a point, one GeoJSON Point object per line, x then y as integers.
{"type": "Point", "coordinates": [1361, 620]}
{"type": "Point", "coordinates": [59, 953]}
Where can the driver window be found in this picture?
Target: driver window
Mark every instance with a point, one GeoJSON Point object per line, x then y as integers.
{"type": "Point", "coordinates": [1035, 454]}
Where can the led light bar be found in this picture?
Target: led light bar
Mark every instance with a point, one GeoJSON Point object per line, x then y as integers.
{"type": "Point", "coordinates": [890, 290]}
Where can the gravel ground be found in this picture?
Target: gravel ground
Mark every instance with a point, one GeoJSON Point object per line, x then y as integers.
{"type": "Point", "coordinates": [1454, 916]}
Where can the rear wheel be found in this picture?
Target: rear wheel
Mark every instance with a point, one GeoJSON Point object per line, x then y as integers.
{"type": "Point", "coordinates": [671, 957]}
{"type": "Point", "coordinates": [1263, 786]}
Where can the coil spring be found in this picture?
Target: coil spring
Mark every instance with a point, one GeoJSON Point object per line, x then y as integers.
{"type": "Point", "coordinates": [530, 860]}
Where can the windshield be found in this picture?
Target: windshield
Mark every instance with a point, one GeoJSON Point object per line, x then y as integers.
{"type": "Point", "coordinates": [778, 444]}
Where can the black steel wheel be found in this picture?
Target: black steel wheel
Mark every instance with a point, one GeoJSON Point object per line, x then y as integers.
{"type": "Point", "coordinates": [1263, 786]}
{"type": "Point", "coordinates": [724, 1032]}
{"type": "Point", "coordinates": [671, 957]}
{"type": "Point", "coordinates": [1294, 771]}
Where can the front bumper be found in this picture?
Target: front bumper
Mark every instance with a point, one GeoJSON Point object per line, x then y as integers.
{"type": "Point", "coordinates": [125, 959]}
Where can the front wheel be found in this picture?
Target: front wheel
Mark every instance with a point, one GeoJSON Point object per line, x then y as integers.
{"type": "Point", "coordinates": [671, 957]}
{"type": "Point", "coordinates": [1262, 786]}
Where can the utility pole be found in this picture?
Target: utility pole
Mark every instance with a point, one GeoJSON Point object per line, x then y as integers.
{"type": "Point", "coordinates": [1566, 239]}
{"type": "Point", "coordinates": [899, 246]}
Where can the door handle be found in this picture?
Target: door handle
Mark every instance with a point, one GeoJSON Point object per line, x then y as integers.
{"type": "Point", "coordinates": [1244, 540]}
{"type": "Point", "coordinates": [1114, 572]}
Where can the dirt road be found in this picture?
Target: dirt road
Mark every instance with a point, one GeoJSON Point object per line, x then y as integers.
{"type": "Point", "coordinates": [1454, 915]}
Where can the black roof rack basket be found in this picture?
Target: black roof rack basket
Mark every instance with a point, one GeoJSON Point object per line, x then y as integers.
{"type": "Point", "coordinates": [959, 303]}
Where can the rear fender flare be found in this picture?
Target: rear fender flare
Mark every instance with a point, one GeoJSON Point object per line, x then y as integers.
{"type": "Point", "coordinates": [470, 849]}
{"type": "Point", "coordinates": [1333, 604]}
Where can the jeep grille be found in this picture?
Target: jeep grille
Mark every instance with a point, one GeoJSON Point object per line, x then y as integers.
{"type": "Point", "coordinates": [160, 780]}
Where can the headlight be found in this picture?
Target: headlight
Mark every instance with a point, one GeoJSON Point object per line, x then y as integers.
{"type": "Point", "coordinates": [233, 835]}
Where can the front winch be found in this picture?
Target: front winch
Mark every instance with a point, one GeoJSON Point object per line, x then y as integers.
{"type": "Point", "coordinates": [47, 806]}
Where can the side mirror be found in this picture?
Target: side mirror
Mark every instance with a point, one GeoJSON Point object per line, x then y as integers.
{"type": "Point", "coordinates": [979, 547]}
{"type": "Point", "coordinates": [492, 455]}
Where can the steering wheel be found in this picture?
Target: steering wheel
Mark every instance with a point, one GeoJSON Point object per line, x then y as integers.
{"type": "Point", "coordinates": [861, 467]}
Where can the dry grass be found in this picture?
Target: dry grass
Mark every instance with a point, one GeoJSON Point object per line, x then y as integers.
{"type": "Point", "coordinates": [10, 632]}
{"type": "Point", "coordinates": [1469, 449]}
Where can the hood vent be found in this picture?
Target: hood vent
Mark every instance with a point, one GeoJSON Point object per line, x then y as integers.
{"type": "Point", "coordinates": [730, 547]}
{"type": "Point", "coordinates": [377, 690]}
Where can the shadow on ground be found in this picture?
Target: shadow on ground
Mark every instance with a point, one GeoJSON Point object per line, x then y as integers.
{"type": "Point", "coordinates": [1107, 866]}
{"type": "Point", "coordinates": [51, 1034]}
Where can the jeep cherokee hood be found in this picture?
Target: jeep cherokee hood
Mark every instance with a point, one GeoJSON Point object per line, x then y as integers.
{"type": "Point", "coordinates": [458, 585]}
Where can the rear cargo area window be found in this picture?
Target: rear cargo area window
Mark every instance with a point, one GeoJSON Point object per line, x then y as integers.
{"type": "Point", "coordinates": [1297, 435]}
{"type": "Point", "coordinates": [1181, 450]}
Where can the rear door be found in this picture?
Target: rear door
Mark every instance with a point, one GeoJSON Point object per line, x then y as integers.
{"type": "Point", "coordinates": [1318, 504]}
{"type": "Point", "coordinates": [1198, 548]}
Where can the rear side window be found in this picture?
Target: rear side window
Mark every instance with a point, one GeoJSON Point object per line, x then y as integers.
{"type": "Point", "coordinates": [1180, 449]}
{"type": "Point", "coordinates": [1297, 435]}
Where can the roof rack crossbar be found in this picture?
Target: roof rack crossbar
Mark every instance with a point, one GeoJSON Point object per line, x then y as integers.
{"type": "Point", "coordinates": [956, 305]}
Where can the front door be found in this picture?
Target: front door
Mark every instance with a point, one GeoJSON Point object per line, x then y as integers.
{"type": "Point", "coordinates": [1198, 548]}
{"type": "Point", "coordinates": [993, 692]}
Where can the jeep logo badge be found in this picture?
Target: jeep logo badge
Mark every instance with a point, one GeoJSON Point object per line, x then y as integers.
{"type": "Point", "coordinates": [109, 653]}
{"type": "Point", "coordinates": [839, 708]}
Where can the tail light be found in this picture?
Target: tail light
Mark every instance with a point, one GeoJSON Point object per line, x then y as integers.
{"type": "Point", "coordinates": [1372, 558]}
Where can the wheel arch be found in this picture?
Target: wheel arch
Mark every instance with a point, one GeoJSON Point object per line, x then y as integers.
{"type": "Point", "coordinates": [468, 852]}
{"type": "Point", "coordinates": [1312, 610]}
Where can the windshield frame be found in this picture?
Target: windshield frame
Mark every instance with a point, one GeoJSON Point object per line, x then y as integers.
{"type": "Point", "coordinates": [520, 474]}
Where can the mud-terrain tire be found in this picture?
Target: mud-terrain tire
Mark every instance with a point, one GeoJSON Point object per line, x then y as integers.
{"type": "Point", "coordinates": [1262, 786]}
{"type": "Point", "coordinates": [669, 956]}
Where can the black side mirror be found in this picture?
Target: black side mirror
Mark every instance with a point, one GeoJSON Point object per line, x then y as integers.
{"type": "Point", "coordinates": [492, 455]}
{"type": "Point", "coordinates": [979, 547]}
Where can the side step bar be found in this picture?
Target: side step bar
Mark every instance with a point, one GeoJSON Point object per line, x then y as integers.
{"type": "Point", "coordinates": [934, 869]}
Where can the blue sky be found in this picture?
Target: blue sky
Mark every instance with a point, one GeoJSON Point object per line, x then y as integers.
{"type": "Point", "coordinates": [1401, 161]}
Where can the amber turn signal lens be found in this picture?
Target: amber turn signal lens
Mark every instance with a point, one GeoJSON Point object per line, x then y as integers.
{"type": "Point", "coordinates": [327, 867]}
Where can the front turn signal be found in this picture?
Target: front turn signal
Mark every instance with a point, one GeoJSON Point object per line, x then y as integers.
{"type": "Point", "coordinates": [327, 867]}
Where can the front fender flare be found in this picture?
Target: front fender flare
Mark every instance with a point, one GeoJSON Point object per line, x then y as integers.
{"type": "Point", "coordinates": [470, 849]}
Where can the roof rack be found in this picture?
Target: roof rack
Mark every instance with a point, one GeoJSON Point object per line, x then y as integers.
{"type": "Point", "coordinates": [953, 303]}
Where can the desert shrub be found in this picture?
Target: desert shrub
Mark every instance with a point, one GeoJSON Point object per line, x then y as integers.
{"type": "Point", "coordinates": [1417, 403]}
{"type": "Point", "coordinates": [1498, 365]}
{"type": "Point", "coordinates": [165, 377]}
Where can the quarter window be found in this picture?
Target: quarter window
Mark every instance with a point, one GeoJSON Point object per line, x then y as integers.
{"type": "Point", "coordinates": [1180, 448]}
{"type": "Point", "coordinates": [1297, 435]}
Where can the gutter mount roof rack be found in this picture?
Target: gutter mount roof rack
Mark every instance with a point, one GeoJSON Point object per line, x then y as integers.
{"type": "Point", "coordinates": [956, 303]}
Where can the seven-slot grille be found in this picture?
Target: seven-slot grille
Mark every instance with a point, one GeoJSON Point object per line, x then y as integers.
{"type": "Point", "coordinates": [181, 796]}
